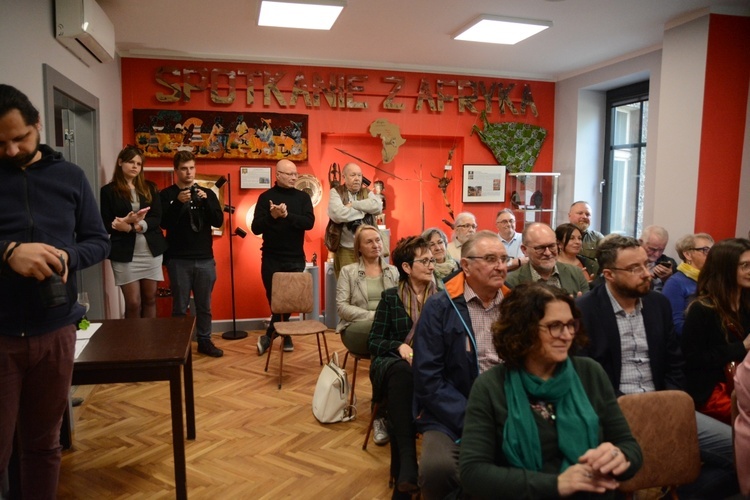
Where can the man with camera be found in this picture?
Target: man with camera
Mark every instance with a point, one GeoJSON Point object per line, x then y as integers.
{"type": "Point", "coordinates": [282, 215]}
{"type": "Point", "coordinates": [189, 211]}
{"type": "Point", "coordinates": [50, 228]}
{"type": "Point", "coordinates": [351, 205]}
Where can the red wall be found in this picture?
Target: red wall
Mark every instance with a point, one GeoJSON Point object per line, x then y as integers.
{"type": "Point", "coordinates": [723, 127]}
{"type": "Point", "coordinates": [429, 137]}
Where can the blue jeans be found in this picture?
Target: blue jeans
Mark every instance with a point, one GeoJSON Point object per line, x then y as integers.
{"type": "Point", "coordinates": [718, 478]}
{"type": "Point", "coordinates": [199, 276]}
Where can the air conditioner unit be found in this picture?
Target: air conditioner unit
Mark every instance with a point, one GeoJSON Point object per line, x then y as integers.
{"type": "Point", "coordinates": [84, 28]}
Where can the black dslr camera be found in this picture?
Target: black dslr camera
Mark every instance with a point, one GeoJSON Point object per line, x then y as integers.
{"type": "Point", "coordinates": [194, 198]}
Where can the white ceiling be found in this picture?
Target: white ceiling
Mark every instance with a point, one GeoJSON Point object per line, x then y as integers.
{"type": "Point", "coordinates": [408, 34]}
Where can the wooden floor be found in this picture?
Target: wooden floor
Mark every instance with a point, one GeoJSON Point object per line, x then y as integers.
{"type": "Point", "coordinates": [254, 441]}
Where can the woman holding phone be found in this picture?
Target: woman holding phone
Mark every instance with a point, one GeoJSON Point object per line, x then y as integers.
{"type": "Point", "coordinates": [131, 211]}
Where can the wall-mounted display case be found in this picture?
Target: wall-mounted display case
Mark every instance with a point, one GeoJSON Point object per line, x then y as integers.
{"type": "Point", "coordinates": [534, 197]}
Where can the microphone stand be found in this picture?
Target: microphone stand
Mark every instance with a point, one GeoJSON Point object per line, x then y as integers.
{"type": "Point", "coordinates": [233, 334]}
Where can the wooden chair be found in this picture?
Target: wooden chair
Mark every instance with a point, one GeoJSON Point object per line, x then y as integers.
{"type": "Point", "coordinates": [357, 358]}
{"type": "Point", "coordinates": [293, 293]}
{"type": "Point", "coordinates": [663, 423]}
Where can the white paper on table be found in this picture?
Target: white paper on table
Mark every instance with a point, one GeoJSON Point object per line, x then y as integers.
{"type": "Point", "coordinates": [83, 336]}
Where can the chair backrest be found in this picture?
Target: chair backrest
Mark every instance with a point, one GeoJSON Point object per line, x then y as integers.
{"type": "Point", "coordinates": [663, 423]}
{"type": "Point", "coordinates": [292, 293]}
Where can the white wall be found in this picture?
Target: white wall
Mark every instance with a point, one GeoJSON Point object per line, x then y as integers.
{"type": "Point", "coordinates": [26, 42]}
{"type": "Point", "coordinates": [684, 56]}
{"type": "Point", "coordinates": [579, 129]}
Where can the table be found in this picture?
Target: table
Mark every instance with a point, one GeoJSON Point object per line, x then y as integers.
{"type": "Point", "coordinates": [146, 350]}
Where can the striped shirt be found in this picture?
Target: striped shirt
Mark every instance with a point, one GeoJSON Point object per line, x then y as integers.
{"type": "Point", "coordinates": [482, 319]}
{"type": "Point", "coordinates": [635, 374]}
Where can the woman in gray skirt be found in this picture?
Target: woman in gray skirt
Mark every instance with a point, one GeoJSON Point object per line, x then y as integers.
{"type": "Point", "coordinates": [131, 211]}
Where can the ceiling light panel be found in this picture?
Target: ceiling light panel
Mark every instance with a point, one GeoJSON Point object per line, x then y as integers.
{"type": "Point", "coordinates": [503, 30]}
{"type": "Point", "coordinates": [302, 14]}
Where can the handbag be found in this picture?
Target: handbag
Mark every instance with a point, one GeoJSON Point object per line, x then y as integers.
{"type": "Point", "coordinates": [333, 235]}
{"type": "Point", "coordinates": [330, 402]}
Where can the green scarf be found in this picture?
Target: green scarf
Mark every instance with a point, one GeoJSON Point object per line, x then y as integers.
{"type": "Point", "coordinates": [689, 271]}
{"type": "Point", "coordinates": [577, 423]}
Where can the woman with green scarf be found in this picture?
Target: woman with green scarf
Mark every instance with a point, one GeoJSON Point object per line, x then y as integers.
{"type": "Point", "coordinates": [680, 288]}
{"type": "Point", "coordinates": [445, 265]}
{"type": "Point", "coordinates": [543, 424]}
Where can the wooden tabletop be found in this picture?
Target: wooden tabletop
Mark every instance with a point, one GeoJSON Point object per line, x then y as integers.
{"type": "Point", "coordinates": [138, 341]}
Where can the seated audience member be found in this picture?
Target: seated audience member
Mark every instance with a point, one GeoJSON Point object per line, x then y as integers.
{"type": "Point", "coordinates": [465, 226]}
{"type": "Point", "coordinates": [680, 289]}
{"type": "Point", "coordinates": [742, 425]}
{"type": "Point", "coordinates": [540, 246]}
{"type": "Point", "coordinates": [654, 240]}
{"type": "Point", "coordinates": [452, 345]}
{"type": "Point", "coordinates": [569, 244]}
{"type": "Point", "coordinates": [506, 229]}
{"type": "Point", "coordinates": [543, 424]}
{"type": "Point", "coordinates": [580, 216]}
{"type": "Point", "coordinates": [631, 335]}
{"type": "Point", "coordinates": [391, 353]}
{"type": "Point", "coordinates": [358, 292]}
{"type": "Point", "coordinates": [445, 265]}
{"type": "Point", "coordinates": [717, 324]}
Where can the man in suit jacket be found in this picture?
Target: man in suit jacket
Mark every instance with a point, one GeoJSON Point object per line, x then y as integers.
{"type": "Point", "coordinates": [632, 336]}
{"type": "Point", "coordinates": [539, 243]}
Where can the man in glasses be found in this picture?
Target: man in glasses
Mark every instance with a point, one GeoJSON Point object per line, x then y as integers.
{"type": "Point", "coordinates": [282, 215]}
{"type": "Point", "coordinates": [654, 240]}
{"type": "Point", "coordinates": [506, 228]}
{"type": "Point", "coordinates": [452, 346]}
{"type": "Point", "coordinates": [580, 216]}
{"type": "Point", "coordinates": [539, 243]}
{"type": "Point", "coordinates": [465, 226]}
{"type": "Point", "coordinates": [631, 335]}
{"type": "Point", "coordinates": [350, 205]}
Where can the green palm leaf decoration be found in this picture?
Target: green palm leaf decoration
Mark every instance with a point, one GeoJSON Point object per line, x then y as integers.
{"type": "Point", "coordinates": [515, 145]}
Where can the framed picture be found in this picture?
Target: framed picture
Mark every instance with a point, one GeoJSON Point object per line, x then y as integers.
{"type": "Point", "coordinates": [484, 183]}
{"type": "Point", "coordinates": [209, 182]}
{"type": "Point", "coordinates": [255, 177]}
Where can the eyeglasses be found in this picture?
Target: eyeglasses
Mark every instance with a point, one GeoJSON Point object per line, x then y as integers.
{"type": "Point", "coordinates": [555, 328]}
{"type": "Point", "coordinates": [425, 262]}
{"type": "Point", "coordinates": [469, 226]}
{"type": "Point", "coordinates": [540, 249]}
{"type": "Point", "coordinates": [655, 249]}
{"type": "Point", "coordinates": [507, 222]}
{"type": "Point", "coordinates": [744, 266]}
{"type": "Point", "coordinates": [639, 270]}
{"type": "Point", "coordinates": [490, 259]}
{"type": "Point", "coordinates": [703, 250]}
{"type": "Point", "coordinates": [290, 174]}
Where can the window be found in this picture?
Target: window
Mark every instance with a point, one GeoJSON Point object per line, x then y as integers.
{"type": "Point", "coordinates": [625, 159]}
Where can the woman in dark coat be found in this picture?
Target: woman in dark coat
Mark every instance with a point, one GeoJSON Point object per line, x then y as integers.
{"type": "Point", "coordinates": [131, 211]}
{"type": "Point", "coordinates": [390, 343]}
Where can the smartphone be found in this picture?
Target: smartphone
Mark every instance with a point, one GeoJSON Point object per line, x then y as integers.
{"type": "Point", "coordinates": [666, 264]}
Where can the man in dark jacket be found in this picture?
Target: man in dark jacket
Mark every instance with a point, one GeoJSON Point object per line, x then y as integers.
{"type": "Point", "coordinates": [282, 215]}
{"type": "Point", "coordinates": [632, 336]}
{"type": "Point", "coordinates": [188, 213]}
{"type": "Point", "coordinates": [50, 228]}
{"type": "Point", "coordinates": [452, 345]}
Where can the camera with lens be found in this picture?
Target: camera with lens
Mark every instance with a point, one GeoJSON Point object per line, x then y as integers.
{"type": "Point", "coordinates": [53, 291]}
{"type": "Point", "coordinates": [194, 198]}
{"type": "Point", "coordinates": [353, 225]}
